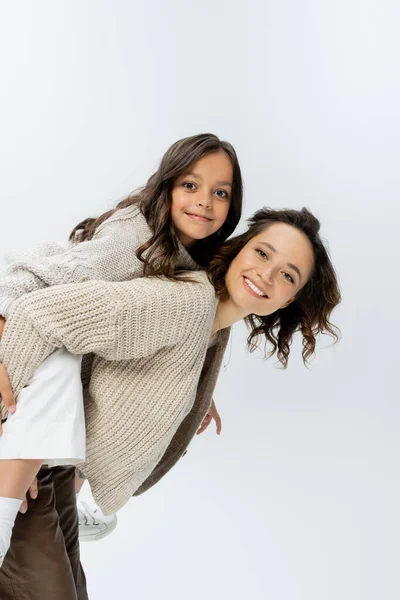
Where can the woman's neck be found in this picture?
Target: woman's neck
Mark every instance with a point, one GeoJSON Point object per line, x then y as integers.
{"type": "Point", "coordinates": [227, 314]}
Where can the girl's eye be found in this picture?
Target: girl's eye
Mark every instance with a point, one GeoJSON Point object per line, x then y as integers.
{"type": "Point", "coordinates": [222, 193]}
{"type": "Point", "coordinates": [188, 185]}
{"type": "Point", "coordinates": [289, 277]}
{"type": "Point", "coordinates": [261, 253]}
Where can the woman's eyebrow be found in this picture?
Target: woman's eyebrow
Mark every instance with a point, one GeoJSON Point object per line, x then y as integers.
{"type": "Point", "coordinates": [291, 265]}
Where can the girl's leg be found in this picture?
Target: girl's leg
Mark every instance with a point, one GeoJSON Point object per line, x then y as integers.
{"type": "Point", "coordinates": [16, 476]}
{"type": "Point", "coordinates": [15, 479]}
{"type": "Point", "coordinates": [78, 483]}
{"type": "Point", "coordinates": [44, 428]}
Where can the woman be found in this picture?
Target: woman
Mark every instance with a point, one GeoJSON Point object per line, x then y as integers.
{"type": "Point", "coordinates": [161, 342]}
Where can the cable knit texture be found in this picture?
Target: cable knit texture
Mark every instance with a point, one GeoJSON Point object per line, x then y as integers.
{"type": "Point", "coordinates": [151, 381]}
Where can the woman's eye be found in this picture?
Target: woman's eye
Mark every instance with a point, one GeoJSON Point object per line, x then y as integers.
{"type": "Point", "coordinates": [222, 193]}
{"type": "Point", "coordinates": [262, 253]}
{"type": "Point", "coordinates": [289, 277]}
{"type": "Point", "coordinates": [188, 185]}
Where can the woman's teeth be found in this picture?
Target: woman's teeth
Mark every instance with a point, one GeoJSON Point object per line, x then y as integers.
{"type": "Point", "coordinates": [254, 287]}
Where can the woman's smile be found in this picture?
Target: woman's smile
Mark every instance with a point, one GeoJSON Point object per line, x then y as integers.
{"type": "Point", "coordinates": [253, 289]}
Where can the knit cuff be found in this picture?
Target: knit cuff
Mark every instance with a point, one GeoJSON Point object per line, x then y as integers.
{"type": "Point", "coordinates": [5, 306]}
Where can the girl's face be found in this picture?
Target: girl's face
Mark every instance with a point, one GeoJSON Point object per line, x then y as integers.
{"type": "Point", "coordinates": [270, 270]}
{"type": "Point", "coordinates": [201, 198]}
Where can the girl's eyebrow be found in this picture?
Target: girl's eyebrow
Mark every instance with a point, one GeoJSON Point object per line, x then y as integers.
{"type": "Point", "coordinates": [226, 183]}
{"type": "Point", "coordinates": [195, 176]}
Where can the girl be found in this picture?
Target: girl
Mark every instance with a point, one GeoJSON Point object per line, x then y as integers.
{"type": "Point", "coordinates": [192, 203]}
{"type": "Point", "coordinates": [159, 345]}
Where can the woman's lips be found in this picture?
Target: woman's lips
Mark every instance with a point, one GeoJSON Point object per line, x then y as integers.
{"type": "Point", "coordinates": [253, 289]}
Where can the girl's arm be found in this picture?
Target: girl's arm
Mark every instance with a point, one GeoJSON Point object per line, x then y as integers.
{"type": "Point", "coordinates": [119, 321]}
{"type": "Point", "coordinates": [110, 255]}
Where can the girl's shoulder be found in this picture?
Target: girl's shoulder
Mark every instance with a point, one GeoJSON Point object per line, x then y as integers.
{"type": "Point", "coordinates": [130, 215]}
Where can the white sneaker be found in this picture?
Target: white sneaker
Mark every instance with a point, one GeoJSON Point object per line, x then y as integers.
{"type": "Point", "coordinates": [93, 525]}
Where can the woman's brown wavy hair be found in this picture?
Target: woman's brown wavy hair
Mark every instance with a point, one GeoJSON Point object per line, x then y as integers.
{"type": "Point", "coordinates": [154, 201]}
{"type": "Point", "coordinates": [310, 311]}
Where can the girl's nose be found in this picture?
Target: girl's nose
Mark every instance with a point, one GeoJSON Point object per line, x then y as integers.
{"type": "Point", "coordinates": [204, 200]}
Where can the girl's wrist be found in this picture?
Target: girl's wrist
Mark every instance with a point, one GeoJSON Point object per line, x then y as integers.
{"type": "Point", "coordinates": [2, 323]}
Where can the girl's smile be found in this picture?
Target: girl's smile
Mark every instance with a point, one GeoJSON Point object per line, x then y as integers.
{"type": "Point", "coordinates": [196, 217]}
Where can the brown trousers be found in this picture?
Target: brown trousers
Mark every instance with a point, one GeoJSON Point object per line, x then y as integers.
{"type": "Point", "coordinates": [43, 562]}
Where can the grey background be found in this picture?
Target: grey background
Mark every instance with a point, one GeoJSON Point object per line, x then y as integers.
{"type": "Point", "coordinates": [298, 499]}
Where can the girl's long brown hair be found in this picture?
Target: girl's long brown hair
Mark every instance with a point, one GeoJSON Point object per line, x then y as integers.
{"type": "Point", "coordinates": [310, 311]}
{"type": "Point", "coordinates": [154, 201]}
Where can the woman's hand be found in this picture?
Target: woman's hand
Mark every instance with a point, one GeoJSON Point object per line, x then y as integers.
{"type": "Point", "coordinates": [212, 414]}
{"type": "Point", "coordinates": [5, 386]}
{"type": "Point", "coordinates": [33, 493]}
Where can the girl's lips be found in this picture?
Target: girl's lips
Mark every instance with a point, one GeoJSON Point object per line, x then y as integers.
{"type": "Point", "coordinates": [198, 218]}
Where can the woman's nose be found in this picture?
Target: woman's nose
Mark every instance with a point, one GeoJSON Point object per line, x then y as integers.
{"type": "Point", "coordinates": [267, 274]}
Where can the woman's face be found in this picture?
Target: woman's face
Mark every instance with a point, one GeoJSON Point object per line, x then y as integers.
{"type": "Point", "coordinates": [270, 270]}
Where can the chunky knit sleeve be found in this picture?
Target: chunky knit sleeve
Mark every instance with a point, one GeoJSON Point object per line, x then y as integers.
{"type": "Point", "coordinates": [116, 320]}
{"type": "Point", "coordinates": [110, 256]}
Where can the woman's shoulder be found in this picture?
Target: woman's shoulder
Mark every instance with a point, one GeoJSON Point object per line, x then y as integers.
{"type": "Point", "coordinates": [199, 277]}
{"type": "Point", "coordinates": [192, 292]}
{"type": "Point", "coordinates": [197, 291]}
{"type": "Point", "coordinates": [190, 283]}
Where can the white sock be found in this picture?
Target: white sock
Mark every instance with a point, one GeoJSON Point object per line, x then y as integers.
{"type": "Point", "coordinates": [9, 508]}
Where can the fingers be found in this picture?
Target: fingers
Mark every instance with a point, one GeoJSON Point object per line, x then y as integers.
{"type": "Point", "coordinates": [33, 493]}
{"type": "Point", "coordinates": [218, 423]}
{"type": "Point", "coordinates": [33, 489]}
{"type": "Point", "coordinates": [206, 421]}
{"type": "Point", "coordinates": [24, 506]}
{"type": "Point", "coordinates": [215, 415]}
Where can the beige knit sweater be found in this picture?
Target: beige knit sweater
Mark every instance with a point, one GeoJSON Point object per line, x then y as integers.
{"type": "Point", "coordinates": [109, 256]}
{"type": "Point", "coordinates": [144, 401]}
{"type": "Point", "coordinates": [150, 337]}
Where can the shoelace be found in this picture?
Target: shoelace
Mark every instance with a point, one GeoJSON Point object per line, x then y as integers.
{"type": "Point", "coordinates": [87, 513]}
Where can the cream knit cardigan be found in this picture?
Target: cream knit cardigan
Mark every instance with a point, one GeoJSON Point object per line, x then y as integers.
{"type": "Point", "coordinates": [152, 378]}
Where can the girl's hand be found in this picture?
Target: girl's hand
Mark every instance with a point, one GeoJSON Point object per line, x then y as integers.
{"type": "Point", "coordinates": [212, 414]}
{"type": "Point", "coordinates": [5, 386]}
